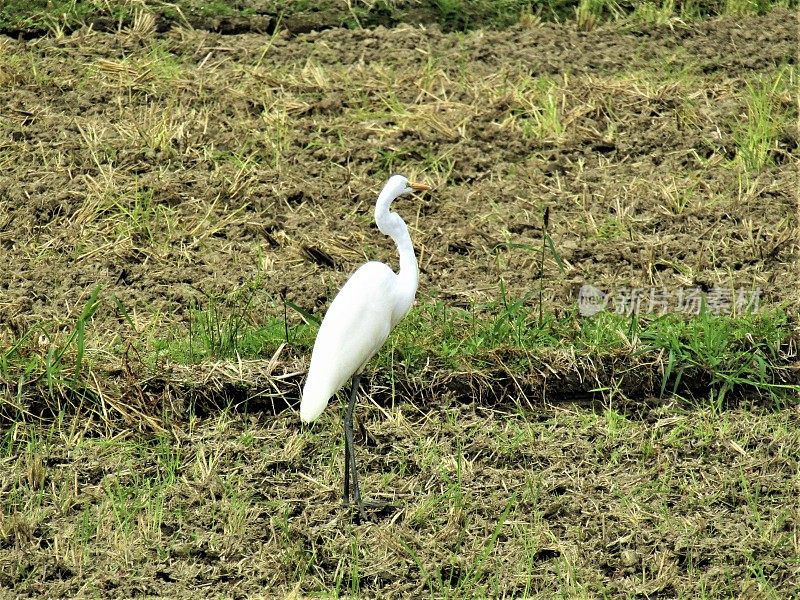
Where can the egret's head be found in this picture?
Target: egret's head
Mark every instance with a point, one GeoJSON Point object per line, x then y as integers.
{"type": "Point", "coordinates": [396, 186]}
{"type": "Point", "coordinates": [399, 185]}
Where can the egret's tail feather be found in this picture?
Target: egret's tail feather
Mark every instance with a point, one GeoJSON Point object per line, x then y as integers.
{"type": "Point", "coordinates": [313, 402]}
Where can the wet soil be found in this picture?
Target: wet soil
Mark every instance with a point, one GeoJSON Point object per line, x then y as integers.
{"type": "Point", "coordinates": [247, 160]}
{"type": "Point", "coordinates": [30, 19]}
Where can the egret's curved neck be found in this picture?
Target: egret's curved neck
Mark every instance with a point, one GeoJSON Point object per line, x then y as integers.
{"type": "Point", "coordinates": [391, 224]}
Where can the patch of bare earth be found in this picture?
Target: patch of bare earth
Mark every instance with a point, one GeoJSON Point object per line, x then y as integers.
{"type": "Point", "coordinates": [166, 166]}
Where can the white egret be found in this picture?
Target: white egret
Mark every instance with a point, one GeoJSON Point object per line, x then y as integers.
{"type": "Point", "coordinates": [357, 323]}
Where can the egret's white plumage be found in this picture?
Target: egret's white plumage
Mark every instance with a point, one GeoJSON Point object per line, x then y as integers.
{"type": "Point", "coordinates": [364, 311]}
{"type": "Point", "coordinates": [354, 329]}
{"type": "Point", "coordinates": [358, 321]}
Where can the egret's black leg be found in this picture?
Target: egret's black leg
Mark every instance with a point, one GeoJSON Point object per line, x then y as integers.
{"type": "Point", "coordinates": [346, 491]}
{"type": "Point", "coordinates": [348, 440]}
{"type": "Point", "coordinates": [350, 448]}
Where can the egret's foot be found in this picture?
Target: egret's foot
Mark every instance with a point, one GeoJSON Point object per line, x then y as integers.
{"type": "Point", "coordinates": [362, 514]}
{"type": "Point", "coordinates": [371, 506]}
{"type": "Point", "coordinates": [378, 504]}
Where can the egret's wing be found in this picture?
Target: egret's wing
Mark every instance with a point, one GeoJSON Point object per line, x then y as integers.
{"type": "Point", "coordinates": [353, 330]}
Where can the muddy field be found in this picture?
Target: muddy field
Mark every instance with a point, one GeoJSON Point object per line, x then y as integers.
{"type": "Point", "coordinates": [179, 166]}
{"type": "Point", "coordinates": [160, 165]}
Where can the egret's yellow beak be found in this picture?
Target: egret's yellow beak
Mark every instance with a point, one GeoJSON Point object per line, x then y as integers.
{"type": "Point", "coordinates": [419, 187]}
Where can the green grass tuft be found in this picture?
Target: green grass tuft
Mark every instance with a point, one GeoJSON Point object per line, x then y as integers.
{"type": "Point", "coordinates": [756, 134]}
